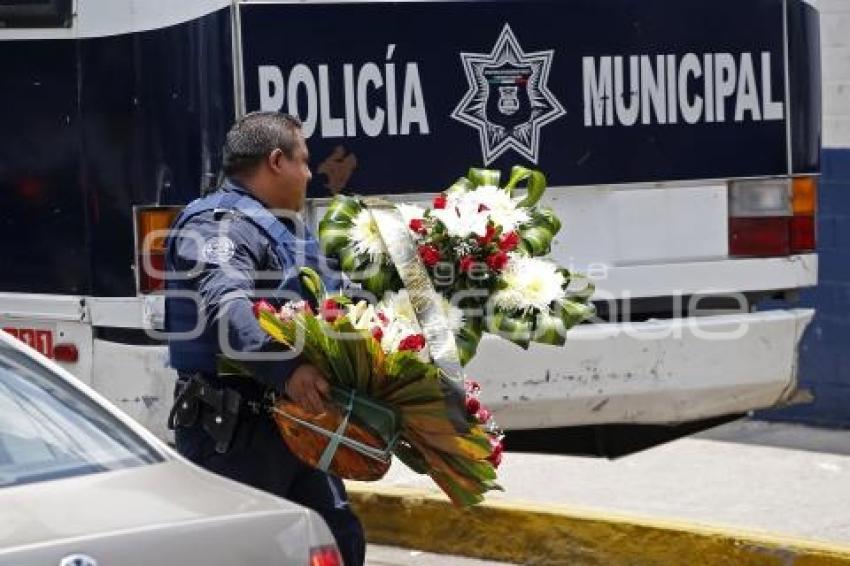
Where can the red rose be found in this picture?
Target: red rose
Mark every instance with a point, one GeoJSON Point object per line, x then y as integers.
{"type": "Point", "coordinates": [377, 333]}
{"type": "Point", "coordinates": [495, 460]}
{"type": "Point", "coordinates": [333, 316]}
{"type": "Point", "coordinates": [497, 261]}
{"type": "Point", "coordinates": [331, 311]}
{"type": "Point", "coordinates": [495, 457]}
{"type": "Point", "coordinates": [417, 225]}
{"type": "Point", "coordinates": [496, 446]}
{"type": "Point", "coordinates": [488, 235]}
{"type": "Point", "coordinates": [472, 405]}
{"type": "Point", "coordinates": [430, 255]}
{"type": "Point", "coordinates": [412, 343]}
{"type": "Point", "coordinates": [496, 450]}
{"type": "Point", "coordinates": [262, 306]}
{"type": "Point", "coordinates": [440, 201]}
{"type": "Point", "coordinates": [509, 242]}
{"type": "Point", "coordinates": [483, 415]}
{"type": "Point", "coordinates": [465, 263]}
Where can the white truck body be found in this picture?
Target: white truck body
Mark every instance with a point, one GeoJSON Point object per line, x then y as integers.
{"type": "Point", "coordinates": [663, 239]}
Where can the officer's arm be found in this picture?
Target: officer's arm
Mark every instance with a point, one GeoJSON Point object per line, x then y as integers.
{"type": "Point", "coordinates": [227, 254]}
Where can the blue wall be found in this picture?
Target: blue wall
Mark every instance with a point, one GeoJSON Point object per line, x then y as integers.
{"type": "Point", "coordinates": [825, 351]}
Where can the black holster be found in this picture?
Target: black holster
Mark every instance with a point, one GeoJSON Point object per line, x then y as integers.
{"type": "Point", "coordinates": [217, 408]}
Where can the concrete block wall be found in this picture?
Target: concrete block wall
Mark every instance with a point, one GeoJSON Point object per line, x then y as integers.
{"type": "Point", "coordinates": [835, 57]}
{"type": "Point", "coordinates": [825, 352]}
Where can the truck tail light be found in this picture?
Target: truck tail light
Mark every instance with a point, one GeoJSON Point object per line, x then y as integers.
{"type": "Point", "coordinates": [802, 234]}
{"type": "Point", "coordinates": [772, 217]}
{"type": "Point", "coordinates": [65, 352]}
{"type": "Point", "coordinates": [759, 237]}
{"type": "Point", "coordinates": [152, 224]}
{"type": "Point", "coordinates": [804, 204]}
{"type": "Point", "coordinates": [325, 556]}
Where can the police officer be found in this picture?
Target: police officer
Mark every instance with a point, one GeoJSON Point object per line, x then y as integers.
{"type": "Point", "coordinates": [225, 250]}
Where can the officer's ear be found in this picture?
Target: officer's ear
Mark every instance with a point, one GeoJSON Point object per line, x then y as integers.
{"type": "Point", "coordinates": [277, 160]}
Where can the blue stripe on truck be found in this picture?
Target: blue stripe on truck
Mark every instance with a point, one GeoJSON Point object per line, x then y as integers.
{"type": "Point", "coordinates": [824, 353]}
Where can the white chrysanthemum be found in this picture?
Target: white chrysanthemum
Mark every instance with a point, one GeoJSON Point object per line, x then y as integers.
{"type": "Point", "coordinates": [461, 216]}
{"type": "Point", "coordinates": [365, 236]}
{"type": "Point", "coordinates": [397, 306]}
{"type": "Point", "coordinates": [395, 332]}
{"type": "Point", "coordinates": [402, 321]}
{"type": "Point", "coordinates": [531, 284]}
{"type": "Point", "coordinates": [502, 209]}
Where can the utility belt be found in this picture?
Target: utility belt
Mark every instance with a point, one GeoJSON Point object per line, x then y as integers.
{"type": "Point", "coordinates": [218, 407]}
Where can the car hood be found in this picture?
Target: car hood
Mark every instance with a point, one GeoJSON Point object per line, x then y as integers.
{"type": "Point", "coordinates": [170, 512]}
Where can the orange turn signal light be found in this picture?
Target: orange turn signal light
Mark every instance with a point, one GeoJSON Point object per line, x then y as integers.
{"type": "Point", "coordinates": [804, 195]}
{"type": "Point", "coordinates": [152, 225]}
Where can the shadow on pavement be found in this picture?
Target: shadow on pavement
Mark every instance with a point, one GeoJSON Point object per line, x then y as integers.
{"type": "Point", "coordinates": [781, 435]}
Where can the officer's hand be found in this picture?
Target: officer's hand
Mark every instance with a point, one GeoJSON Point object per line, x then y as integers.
{"type": "Point", "coordinates": [308, 388]}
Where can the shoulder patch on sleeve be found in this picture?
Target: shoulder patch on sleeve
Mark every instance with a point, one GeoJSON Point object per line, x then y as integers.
{"type": "Point", "coordinates": [218, 249]}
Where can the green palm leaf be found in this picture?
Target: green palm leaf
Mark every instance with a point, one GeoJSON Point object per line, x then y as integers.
{"type": "Point", "coordinates": [534, 189]}
{"type": "Point", "coordinates": [462, 184]}
{"type": "Point", "coordinates": [536, 236]}
{"type": "Point", "coordinates": [480, 177]}
{"type": "Point", "coordinates": [515, 327]}
{"type": "Point", "coordinates": [550, 329]}
{"type": "Point", "coordinates": [312, 284]}
{"type": "Point", "coordinates": [411, 457]}
{"type": "Point", "coordinates": [333, 228]}
{"type": "Point", "coordinates": [353, 346]}
{"type": "Point", "coordinates": [467, 339]}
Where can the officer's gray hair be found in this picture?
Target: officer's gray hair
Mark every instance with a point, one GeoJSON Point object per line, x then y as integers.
{"type": "Point", "coordinates": [254, 136]}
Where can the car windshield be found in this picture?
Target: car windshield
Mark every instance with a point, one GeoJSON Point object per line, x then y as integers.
{"type": "Point", "coordinates": [51, 430]}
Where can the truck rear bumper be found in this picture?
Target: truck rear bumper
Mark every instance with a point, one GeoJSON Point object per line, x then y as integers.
{"type": "Point", "coordinates": [706, 277]}
{"type": "Point", "coordinates": [653, 372]}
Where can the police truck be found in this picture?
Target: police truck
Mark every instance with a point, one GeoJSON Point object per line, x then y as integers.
{"type": "Point", "coordinates": [681, 141]}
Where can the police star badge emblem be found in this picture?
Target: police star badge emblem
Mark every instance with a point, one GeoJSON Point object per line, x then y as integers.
{"type": "Point", "coordinates": [508, 100]}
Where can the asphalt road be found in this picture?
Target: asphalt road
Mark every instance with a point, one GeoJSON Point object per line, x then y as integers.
{"type": "Point", "coordinates": [393, 556]}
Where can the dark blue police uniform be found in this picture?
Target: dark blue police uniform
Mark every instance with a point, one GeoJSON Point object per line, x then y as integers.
{"type": "Point", "coordinates": [225, 250]}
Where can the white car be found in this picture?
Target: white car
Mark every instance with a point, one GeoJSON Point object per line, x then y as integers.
{"type": "Point", "coordinates": [81, 484]}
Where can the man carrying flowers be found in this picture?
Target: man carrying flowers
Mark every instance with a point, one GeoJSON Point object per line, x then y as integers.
{"type": "Point", "coordinates": [225, 250]}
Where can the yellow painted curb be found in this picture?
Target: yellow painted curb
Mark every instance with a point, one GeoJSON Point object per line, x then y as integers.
{"type": "Point", "coordinates": [530, 533]}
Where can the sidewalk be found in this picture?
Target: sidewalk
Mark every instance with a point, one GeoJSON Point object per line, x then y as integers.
{"type": "Point", "coordinates": [767, 480]}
